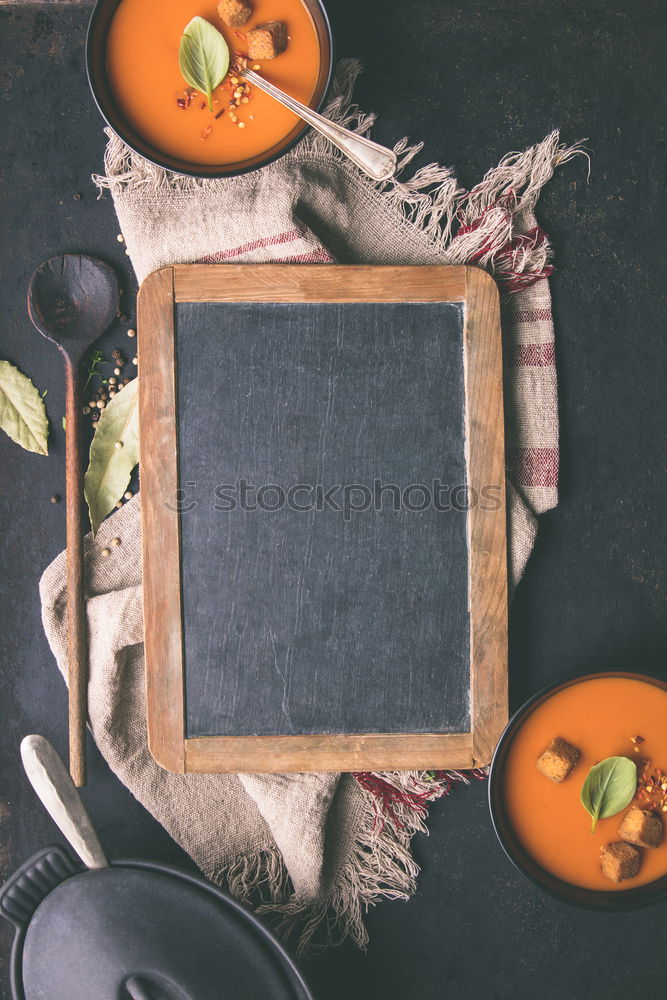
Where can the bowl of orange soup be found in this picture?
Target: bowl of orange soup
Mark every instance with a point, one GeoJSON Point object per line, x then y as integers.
{"type": "Point", "coordinates": [589, 726]}
{"type": "Point", "coordinates": [132, 53]}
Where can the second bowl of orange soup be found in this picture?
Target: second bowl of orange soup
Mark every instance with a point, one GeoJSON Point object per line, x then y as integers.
{"type": "Point", "coordinates": [540, 820]}
{"type": "Point", "coordinates": [133, 67]}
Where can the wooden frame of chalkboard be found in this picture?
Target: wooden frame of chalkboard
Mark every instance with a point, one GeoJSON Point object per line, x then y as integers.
{"type": "Point", "coordinates": [162, 569]}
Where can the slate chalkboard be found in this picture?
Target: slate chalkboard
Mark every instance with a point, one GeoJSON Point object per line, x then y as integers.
{"type": "Point", "coordinates": [345, 618]}
{"type": "Point", "coordinates": [312, 459]}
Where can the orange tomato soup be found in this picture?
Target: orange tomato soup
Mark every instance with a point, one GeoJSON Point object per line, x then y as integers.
{"type": "Point", "coordinates": [142, 65]}
{"type": "Point", "coordinates": [599, 717]}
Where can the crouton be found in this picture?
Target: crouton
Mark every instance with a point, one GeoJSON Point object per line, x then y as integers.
{"type": "Point", "coordinates": [234, 13]}
{"type": "Point", "coordinates": [619, 861]}
{"type": "Point", "coordinates": [267, 40]}
{"type": "Point", "coordinates": [558, 760]}
{"type": "Point", "coordinates": [641, 827]}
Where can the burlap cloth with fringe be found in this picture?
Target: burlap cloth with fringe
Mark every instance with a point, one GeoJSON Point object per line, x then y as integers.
{"type": "Point", "coordinates": [310, 848]}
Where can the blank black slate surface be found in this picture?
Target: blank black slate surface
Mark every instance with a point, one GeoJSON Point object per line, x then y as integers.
{"type": "Point", "coordinates": [302, 614]}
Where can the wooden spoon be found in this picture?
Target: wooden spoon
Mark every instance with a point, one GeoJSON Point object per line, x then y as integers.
{"type": "Point", "coordinates": [72, 300]}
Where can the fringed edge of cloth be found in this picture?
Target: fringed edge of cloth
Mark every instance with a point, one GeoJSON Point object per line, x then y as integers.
{"type": "Point", "coordinates": [255, 879]}
{"type": "Point", "coordinates": [481, 226]}
{"type": "Point", "coordinates": [378, 864]}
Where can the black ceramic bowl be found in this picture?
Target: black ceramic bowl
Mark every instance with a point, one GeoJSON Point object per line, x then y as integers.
{"type": "Point", "coordinates": [614, 901]}
{"type": "Point", "coordinates": [96, 64]}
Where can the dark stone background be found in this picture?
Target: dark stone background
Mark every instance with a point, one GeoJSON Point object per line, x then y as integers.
{"type": "Point", "coordinates": [475, 79]}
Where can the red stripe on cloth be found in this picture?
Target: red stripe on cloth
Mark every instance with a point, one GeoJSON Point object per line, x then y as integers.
{"type": "Point", "coordinates": [318, 256]}
{"type": "Point", "coordinates": [534, 466]}
{"type": "Point", "coordinates": [518, 281]}
{"type": "Point", "coordinates": [533, 316]}
{"type": "Point", "coordinates": [532, 355]}
{"type": "Point", "coordinates": [267, 241]}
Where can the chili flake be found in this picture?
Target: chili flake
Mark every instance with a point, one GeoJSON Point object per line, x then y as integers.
{"type": "Point", "coordinates": [651, 786]}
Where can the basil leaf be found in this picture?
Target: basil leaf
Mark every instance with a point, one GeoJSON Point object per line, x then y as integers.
{"type": "Point", "coordinates": [110, 467]}
{"type": "Point", "coordinates": [203, 57]}
{"type": "Point", "coordinates": [22, 411]}
{"type": "Point", "coordinates": [609, 788]}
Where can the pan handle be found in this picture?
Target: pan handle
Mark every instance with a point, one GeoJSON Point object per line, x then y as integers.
{"type": "Point", "coordinates": [50, 779]}
{"type": "Point", "coordinates": [24, 891]}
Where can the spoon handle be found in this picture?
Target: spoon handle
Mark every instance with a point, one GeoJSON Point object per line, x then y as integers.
{"type": "Point", "coordinates": [77, 650]}
{"type": "Point", "coordinates": [48, 776]}
{"type": "Point", "coordinates": [375, 160]}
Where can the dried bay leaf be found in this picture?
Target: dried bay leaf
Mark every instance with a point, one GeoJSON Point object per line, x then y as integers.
{"type": "Point", "coordinates": [110, 467]}
{"type": "Point", "coordinates": [22, 411]}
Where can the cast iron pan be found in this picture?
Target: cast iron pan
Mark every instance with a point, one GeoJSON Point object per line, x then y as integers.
{"type": "Point", "coordinates": [131, 930]}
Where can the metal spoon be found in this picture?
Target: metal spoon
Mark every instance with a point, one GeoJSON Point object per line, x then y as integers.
{"type": "Point", "coordinates": [71, 301]}
{"type": "Point", "coordinates": [375, 160]}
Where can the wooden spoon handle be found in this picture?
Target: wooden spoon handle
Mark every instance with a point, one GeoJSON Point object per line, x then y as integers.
{"type": "Point", "coordinates": [77, 647]}
{"type": "Point", "coordinates": [48, 776]}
